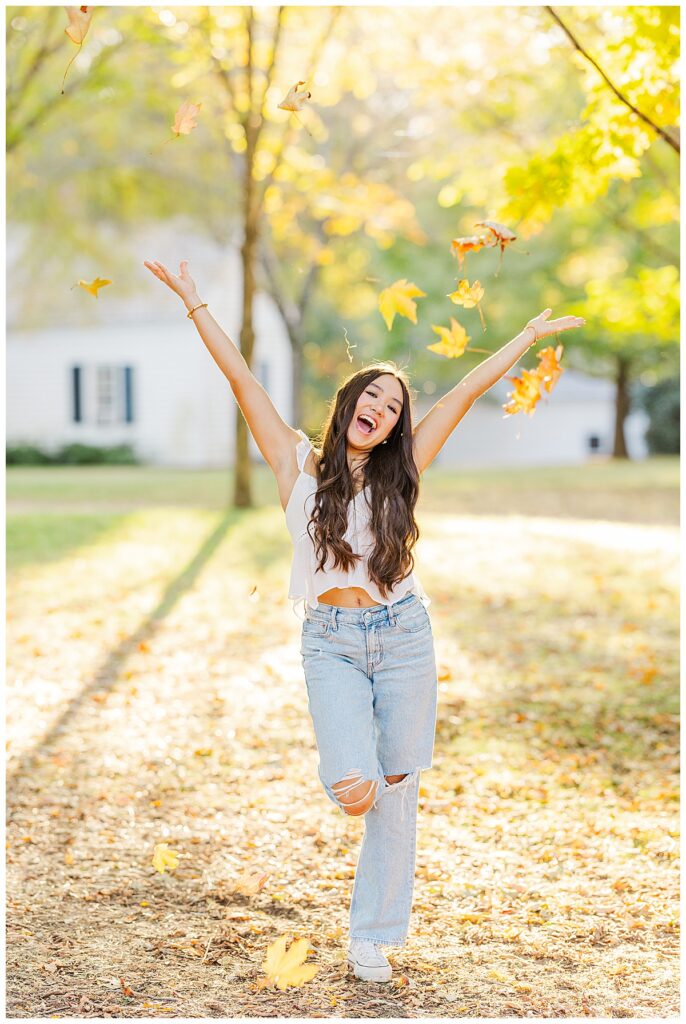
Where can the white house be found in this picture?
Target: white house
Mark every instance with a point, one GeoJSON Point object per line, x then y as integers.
{"type": "Point", "coordinates": [571, 425]}
{"type": "Point", "coordinates": [132, 369]}
{"type": "Point", "coordinates": [139, 373]}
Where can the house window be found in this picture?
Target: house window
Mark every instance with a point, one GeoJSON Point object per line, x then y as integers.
{"type": "Point", "coordinates": [102, 394]}
{"type": "Point", "coordinates": [593, 442]}
{"type": "Point", "coordinates": [105, 395]}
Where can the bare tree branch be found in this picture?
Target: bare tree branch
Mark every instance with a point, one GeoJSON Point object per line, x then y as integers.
{"type": "Point", "coordinates": [15, 90]}
{"type": "Point", "coordinates": [314, 60]}
{"type": "Point", "coordinates": [670, 140]}
{"type": "Point", "coordinates": [16, 136]}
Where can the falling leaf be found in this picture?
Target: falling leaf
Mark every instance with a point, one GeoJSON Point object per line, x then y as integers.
{"type": "Point", "coordinates": [453, 340]}
{"type": "Point", "coordinates": [397, 298]}
{"type": "Point", "coordinates": [285, 967]}
{"type": "Point", "coordinates": [528, 387]}
{"type": "Point", "coordinates": [472, 243]}
{"type": "Point", "coordinates": [550, 369]}
{"type": "Point", "coordinates": [295, 100]}
{"type": "Point", "coordinates": [527, 391]}
{"type": "Point", "coordinates": [250, 882]}
{"type": "Point", "coordinates": [164, 858]}
{"type": "Point", "coordinates": [468, 296]}
{"type": "Point", "coordinates": [93, 286]}
{"type": "Point", "coordinates": [501, 235]}
{"type": "Point", "coordinates": [77, 29]}
{"type": "Point", "coordinates": [79, 23]}
{"type": "Point", "coordinates": [184, 119]}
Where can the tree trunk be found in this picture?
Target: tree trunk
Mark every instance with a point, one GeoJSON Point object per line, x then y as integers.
{"type": "Point", "coordinates": [621, 407]}
{"type": "Point", "coordinates": [242, 494]}
{"type": "Point", "coordinates": [242, 490]}
{"type": "Point", "coordinates": [297, 363]}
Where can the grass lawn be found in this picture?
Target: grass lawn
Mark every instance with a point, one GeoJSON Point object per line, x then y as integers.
{"type": "Point", "coordinates": [155, 694]}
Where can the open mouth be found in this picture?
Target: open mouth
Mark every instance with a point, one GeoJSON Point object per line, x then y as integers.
{"type": "Point", "coordinates": [365, 424]}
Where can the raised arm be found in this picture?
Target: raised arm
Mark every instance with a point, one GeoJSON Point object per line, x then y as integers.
{"type": "Point", "coordinates": [273, 436]}
{"type": "Point", "coordinates": [434, 429]}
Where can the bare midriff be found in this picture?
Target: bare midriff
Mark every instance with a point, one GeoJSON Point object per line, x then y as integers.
{"type": "Point", "coordinates": [347, 597]}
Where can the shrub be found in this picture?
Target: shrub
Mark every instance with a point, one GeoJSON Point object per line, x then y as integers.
{"type": "Point", "coordinates": [661, 402]}
{"type": "Point", "coordinates": [26, 455]}
{"type": "Point", "coordinates": [71, 455]}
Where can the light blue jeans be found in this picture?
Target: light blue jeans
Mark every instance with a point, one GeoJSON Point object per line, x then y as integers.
{"type": "Point", "coordinates": [372, 694]}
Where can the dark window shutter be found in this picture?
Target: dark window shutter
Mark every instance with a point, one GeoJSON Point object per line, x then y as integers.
{"type": "Point", "coordinates": [76, 378]}
{"type": "Point", "coordinates": [128, 394]}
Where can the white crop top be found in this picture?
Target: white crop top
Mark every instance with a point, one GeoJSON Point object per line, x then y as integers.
{"type": "Point", "coordinates": [307, 581]}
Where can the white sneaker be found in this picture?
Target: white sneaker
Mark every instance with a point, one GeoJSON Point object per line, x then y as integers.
{"type": "Point", "coordinates": [368, 961]}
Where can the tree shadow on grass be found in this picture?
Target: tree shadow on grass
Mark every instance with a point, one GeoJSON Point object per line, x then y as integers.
{"type": "Point", "coordinates": [38, 539]}
{"type": "Point", "coordinates": [107, 675]}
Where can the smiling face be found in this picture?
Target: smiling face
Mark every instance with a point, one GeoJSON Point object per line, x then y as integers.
{"type": "Point", "coordinates": [381, 402]}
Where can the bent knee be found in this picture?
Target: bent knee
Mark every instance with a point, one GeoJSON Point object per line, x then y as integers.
{"type": "Point", "coordinates": [395, 778]}
{"type": "Point", "coordinates": [355, 797]}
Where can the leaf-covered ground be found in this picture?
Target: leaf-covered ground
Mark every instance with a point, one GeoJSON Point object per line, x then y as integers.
{"type": "Point", "coordinates": [154, 696]}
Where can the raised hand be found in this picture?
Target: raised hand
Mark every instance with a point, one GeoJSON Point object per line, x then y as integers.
{"type": "Point", "coordinates": [181, 283]}
{"type": "Point", "coordinates": [543, 326]}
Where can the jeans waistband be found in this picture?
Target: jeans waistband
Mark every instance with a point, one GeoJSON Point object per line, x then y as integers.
{"type": "Point", "coordinates": [376, 613]}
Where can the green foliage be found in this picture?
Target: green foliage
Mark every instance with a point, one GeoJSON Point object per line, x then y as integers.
{"type": "Point", "coordinates": [662, 403]}
{"type": "Point", "coordinates": [27, 455]}
{"type": "Point", "coordinates": [71, 455]}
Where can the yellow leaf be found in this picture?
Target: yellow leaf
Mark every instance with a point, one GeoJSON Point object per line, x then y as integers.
{"type": "Point", "coordinates": [473, 917]}
{"type": "Point", "coordinates": [164, 858]}
{"type": "Point", "coordinates": [184, 119]}
{"type": "Point", "coordinates": [79, 23]}
{"type": "Point", "coordinates": [285, 967]}
{"type": "Point", "coordinates": [295, 100]}
{"type": "Point", "coordinates": [397, 298]}
{"type": "Point", "coordinates": [93, 286]}
{"type": "Point", "coordinates": [453, 340]}
{"type": "Point", "coordinates": [467, 295]}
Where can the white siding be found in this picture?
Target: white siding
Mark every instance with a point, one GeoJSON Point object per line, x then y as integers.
{"type": "Point", "coordinates": [184, 409]}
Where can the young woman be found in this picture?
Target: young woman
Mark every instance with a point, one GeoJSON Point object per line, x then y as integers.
{"type": "Point", "coordinates": [366, 644]}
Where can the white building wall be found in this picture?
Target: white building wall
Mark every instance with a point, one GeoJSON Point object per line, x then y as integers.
{"type": "Point", "coordinates": [184, 409]}
{"type": "Point", "coordinates": [557, 434]}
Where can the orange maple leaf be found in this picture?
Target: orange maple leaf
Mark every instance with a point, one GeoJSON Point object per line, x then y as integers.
{"type": "Point", "coordinates": [500, 234]}
{"type": "Point", "coordinates": [529, 387]}
{"type": "Point", "coordinates": [471, 243]}
{"type": "Point", "coordinates": [527, 392]}
{"type": "Point", "coordinates": [550, 369]}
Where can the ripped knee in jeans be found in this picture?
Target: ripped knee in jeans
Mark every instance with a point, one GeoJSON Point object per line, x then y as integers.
{"type": "Point", "coordinates": [354, 793]}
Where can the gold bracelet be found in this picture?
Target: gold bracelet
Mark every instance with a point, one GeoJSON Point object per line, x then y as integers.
{"type": "Point", "coordinates": [199, 306]}
{"type": "Point", "coordinates": [535, 334]}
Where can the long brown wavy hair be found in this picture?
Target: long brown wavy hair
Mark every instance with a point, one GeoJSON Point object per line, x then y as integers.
{"type": "Point", "coordinates": [391, 473]}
